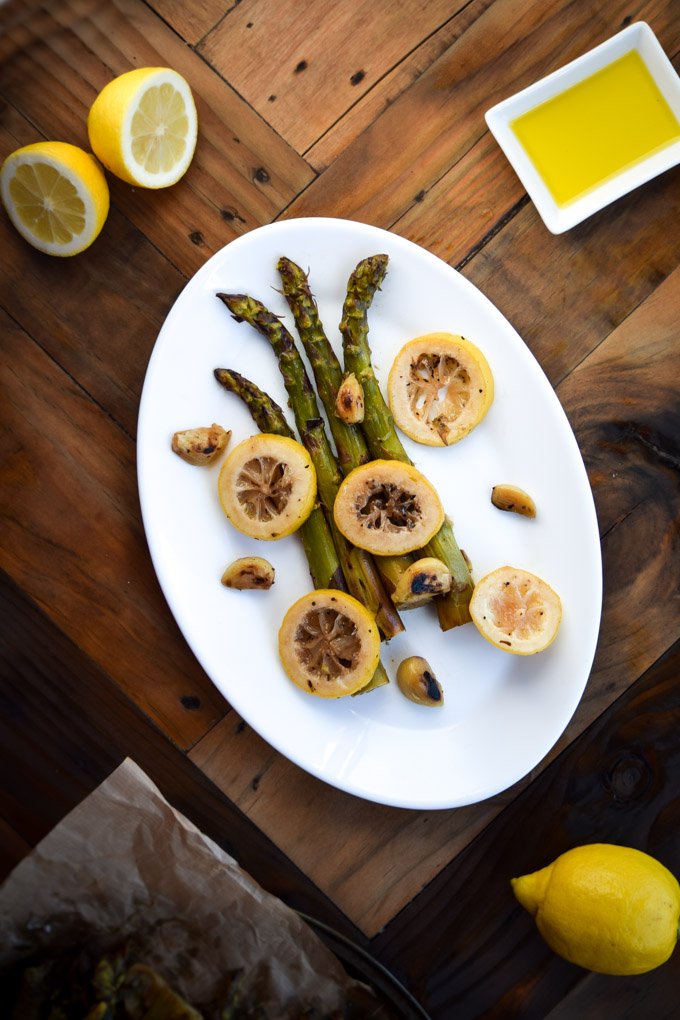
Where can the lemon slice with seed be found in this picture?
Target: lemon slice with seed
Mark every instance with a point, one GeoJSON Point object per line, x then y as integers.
{"type": "Point", "coordinates": [329, 644]}
{"type": "Point", "coordinates": [143, 126]}
{"type": "Point", "coordinates": [56, 196]}
{"type": "Point", "coordinates": [267, 486]}
{"type": "Point", "coordinates": [439, 388]}
{"type": "Point", "coordinates": [516, 611]}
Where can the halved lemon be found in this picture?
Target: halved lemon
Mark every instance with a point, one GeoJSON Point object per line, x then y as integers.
{"type": "Point", "coordinates": [267, 486]}
{"type": "Point", "coordinates": [56, 196]}
{"type": "Point", "coordinates": [516, 611]}
{"type": "Point", "coordinates": [143, 126]}
{"type": "Point", "coordinates": [439, 387]}
{"type": "Point", "coordinates": [329, 644]}
{"type": "Point", "coordinates": [388, 508]}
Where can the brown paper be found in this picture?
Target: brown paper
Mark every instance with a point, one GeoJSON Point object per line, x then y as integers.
{"type": "Point", "coordinates": [124, 860]}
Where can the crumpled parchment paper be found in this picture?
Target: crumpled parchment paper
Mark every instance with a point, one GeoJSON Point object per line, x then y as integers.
{"type": "Point", "coordinates": [124, 862]}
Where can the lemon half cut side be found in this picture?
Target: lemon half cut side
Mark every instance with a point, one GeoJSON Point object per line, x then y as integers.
{"type": "Point", "coordinates": [56, 196]}
{"type": "Point", "coordinates": [143, 126]}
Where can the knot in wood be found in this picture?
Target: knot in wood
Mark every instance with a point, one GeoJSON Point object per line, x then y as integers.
{"type": "Point", "coordinates": [629, 779]}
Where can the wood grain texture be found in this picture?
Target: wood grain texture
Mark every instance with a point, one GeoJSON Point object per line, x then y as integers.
{"type": "Point", "coordinates": [97, 317]}
{"type": "Point", "coordinates": [242, 174]}
{"type": "Point", "coordinates": [369, 859]}
{"type": "Point", "coordinates": [302, 66]}
{"type": "Point", "coordinates": [468, 949]}
{"type": "Point", "coordinates": [89, 569]}
{"type": "Point", "coordinates": [387, 89]}
{"type": "Point", "coordinates": [553, 290]}
{"type": "Point", "coordinates": [65, 726]}
{"type": "Point", "coordinates": [192, 20]}
{"type": "Point", "coordinates": [434, 123]}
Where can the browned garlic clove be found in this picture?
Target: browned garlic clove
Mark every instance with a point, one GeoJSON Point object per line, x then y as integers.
{"type": "Point", "coordinates": [249, 572]}
{"type": "Point", "coordinates": [201, 446]}
{"type": "Point", "coordinates": [513, 499]}
{"type": "Point", "coordinates": [420, 582]}
{"type": "Point", "coordinates": [349, 402]}
{"type": "Point", "coordinates": [417, 682]}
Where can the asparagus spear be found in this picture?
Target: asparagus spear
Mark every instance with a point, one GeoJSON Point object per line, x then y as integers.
{"type": "Point", "coordinates": [317, 537]}
{"type": "Point", "coordinates": [315, 534]}
{"type": "Point", "coordinates": [359, 568]}
{"type": "Point", "coordinates": [349, 439]}
{"type": "Point", "coordinates": [381, 435]}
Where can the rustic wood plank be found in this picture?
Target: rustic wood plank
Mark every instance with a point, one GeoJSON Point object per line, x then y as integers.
{"type": "Point", "coordinates": [369, 859]}
{"type": "Point", "coordinates": [96, 315]}
{"type": "Point", "coordinates": [68, 726]}
{"type": "Point", "coordinates": [597, 997]}
{"type": "Point", "coordinates": [73, 539]}
{"type": "Point", "coordinates": [554, 290]}
{"type": "Point", "coordinates": [467, 949]}
{"type": "Point", "coordinates": [435, 122]}
{"type": "Point", "coordinates": [387, 89]}
{"type": "Point", "coordinates": [459, 214]}
{"type": "Point", "coordinates": [303, 65]}
{"type": "Point", "coordinates": [388, 855]}
{"type": "Point", "coordinates": [191, 20]}
{"type": "Point", "coordinates": [624, 404]}
{"type": "Point", "coordinates": [242, 175]}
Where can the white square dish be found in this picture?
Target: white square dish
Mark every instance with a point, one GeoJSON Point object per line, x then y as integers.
{"type": "Point", "coordinates": [559, 216]}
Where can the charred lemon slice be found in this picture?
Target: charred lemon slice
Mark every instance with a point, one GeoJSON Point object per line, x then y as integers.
{"type": "Point", "coordinates": [440, 386]}
{"type": "Point", "coordinates": [388, 508]}
{"type": "Point", "coordinates": [267, 486]}
{"type": "Point", "coordinates": [329, 644]}
{"type": "Point", "coordinates": [516, 611]}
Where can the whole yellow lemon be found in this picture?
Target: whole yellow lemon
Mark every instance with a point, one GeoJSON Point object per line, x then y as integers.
{"type": "Point", "coordinates": [607, 908]}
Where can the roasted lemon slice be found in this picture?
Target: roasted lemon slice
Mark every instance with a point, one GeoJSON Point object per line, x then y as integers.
{"type": "Point", "coordinates": [329, 644]}
{"type": "Point", "coordinates": [267, 486]}
{"type": "Point", "coordinates": [440, 386]}
{"type": "Point", "coordinates": [516, 611]}
{"type": "Point", "coordinates": [388, 508]}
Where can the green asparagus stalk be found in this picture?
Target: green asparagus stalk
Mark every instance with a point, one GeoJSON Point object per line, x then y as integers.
{"type": "Point", "coordinates": [381, 435]}
{"type": "Point", "coordinates": [349, 439]}
{"type": "Point", "coordinates": [315, 533]}
{"type": "Point", "coordinates": [358, 567]}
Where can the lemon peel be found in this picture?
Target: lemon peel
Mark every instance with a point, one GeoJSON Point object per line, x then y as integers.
{"type": "Point", "coordinates": [610, 909]}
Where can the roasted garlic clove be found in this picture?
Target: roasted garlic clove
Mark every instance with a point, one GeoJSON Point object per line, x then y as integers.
{"type": "Point", "coordinates": [249, 572]}
{"type": "Point", "coordinates": [420, 582]}
{"type": "Point", "coordinates": [417, 682]}
{"type": "Point", "coordinates": [349, 402]}
{"type": "Point", "coordinates": [513, 499]}
{"type": "Point", "coordinates": [201, 446]}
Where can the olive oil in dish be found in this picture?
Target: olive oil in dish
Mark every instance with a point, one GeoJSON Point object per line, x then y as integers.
{"type": "Point", "coordinates": [597, 128]}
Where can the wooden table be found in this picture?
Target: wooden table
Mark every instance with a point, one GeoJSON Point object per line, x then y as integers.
{"type": "Point", "coordinates": [373, 113]}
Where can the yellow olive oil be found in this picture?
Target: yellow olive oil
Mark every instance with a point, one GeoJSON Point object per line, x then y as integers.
{"type": "Point", "coordinates": [597, 128]}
